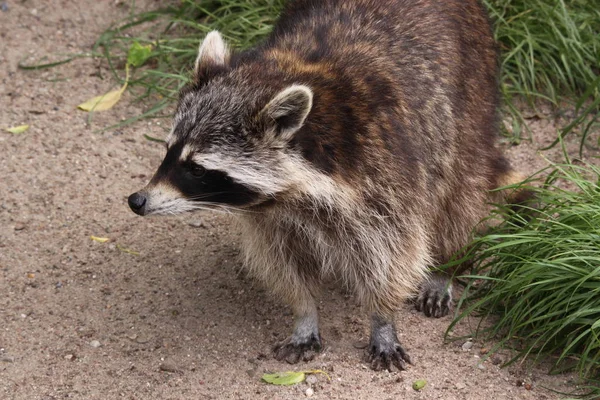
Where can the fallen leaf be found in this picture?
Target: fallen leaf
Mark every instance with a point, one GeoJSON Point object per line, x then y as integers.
{"type": "Point", "coordinates": [284, 378]}
{"type": "Point", "coordinates": [138, 54]}
{"type": "Point", "coordinates": [108, 100]}
{"type": "Point", "coordinates": [18, 129]}
{"type": "Point", "coordinates": [291, 377]}
{"type": "Point", "coordinates": [99, 239]}
{"type": "Point", "coordinates": [128, 251]}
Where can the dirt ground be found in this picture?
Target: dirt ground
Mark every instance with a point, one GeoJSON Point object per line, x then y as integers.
{"type": "Point", "coordinates": [180, 320]}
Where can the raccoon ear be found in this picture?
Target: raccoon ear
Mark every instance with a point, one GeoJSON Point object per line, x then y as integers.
{"type": "Point", "coordinates": [287, 111]}
{"type": "Point", "coordinates": [213, 56]}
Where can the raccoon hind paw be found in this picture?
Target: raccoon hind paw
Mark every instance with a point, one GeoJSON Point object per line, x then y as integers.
{"type": "Point", "coordinates": [435, 297]}
{"type": "Point", "coordinates": [382, 355]}
{"type": "Point", "coordinates": [292, 350]}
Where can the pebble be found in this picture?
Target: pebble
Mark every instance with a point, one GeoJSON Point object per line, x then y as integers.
{"type": "Point", "coordinates": [197, 224]}
{"type": "Point", "coordinates": [460, 385]}
{"type": "Point", "coordinates": [467, 345]}
{"type": "Point", "coordinates": [4, 6]}
{"type": "Point", "coordinates": [7, 359]}
{"type": "Point", "coordinates": [142, 339]}
{"type": "Point", "coordinates": [19, 227]}
{"type": "Point", "coordinates": [311, 380]}
{"type": "Point", "coordinates": [496, 360]}
{"type": "Point", "coordinates": [309, 392]}
{"type": "Point", "coordinates": [168, 367]}
{"type": "Point", "coordinates": [95, 344]}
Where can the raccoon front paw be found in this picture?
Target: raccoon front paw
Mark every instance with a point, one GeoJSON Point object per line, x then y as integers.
{"type": "Point", "coordinates": [293, 349]}
{"type": "Point", "coordinates": [435, 297]}
{"type": "Point", "coordinates": [382, 356]}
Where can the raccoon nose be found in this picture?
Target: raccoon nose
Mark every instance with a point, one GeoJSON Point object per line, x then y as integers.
{"type": "Point", "coordinates": [137, 201]}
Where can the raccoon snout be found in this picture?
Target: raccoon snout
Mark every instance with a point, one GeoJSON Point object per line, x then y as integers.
{"type": "Point", "coordinates": [137, 201]}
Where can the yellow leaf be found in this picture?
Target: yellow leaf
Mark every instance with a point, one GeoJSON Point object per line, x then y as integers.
{"type": "Point", "coordinates": [284, 378]}
{"type": "Point", "coordinates": [99, 239]}
{"type": "Point", "coordinates": [128, 251]}
{"type": "Point", "coordinates": [106, 101]}
{"type": "Point", "coordinates": [18, 129]}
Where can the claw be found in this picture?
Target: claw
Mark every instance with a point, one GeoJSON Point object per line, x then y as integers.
{"type": "Point", "coordinates": [435, 297]}
{"type": "Point", "coordinates": [384, 348]}
{"type": "Point", "coordinates": [382, 359]}
{"type": "Point", "coordinates": [293, 350]}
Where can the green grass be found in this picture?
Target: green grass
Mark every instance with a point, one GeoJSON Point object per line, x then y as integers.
{"type": "Point", "coordinates": [549, 47]}
{"type": "Point", "coordinates": [175, 33]}
{"type": "Point", "coordinates": [540, 278]}
{"type": "Point", "coordinates": [550, 50]}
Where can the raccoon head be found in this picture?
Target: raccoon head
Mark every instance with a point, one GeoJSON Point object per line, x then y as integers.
{"type": "Point", "coordinates": [230, 143]}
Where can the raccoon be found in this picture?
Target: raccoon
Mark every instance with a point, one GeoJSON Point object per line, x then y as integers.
{"type": "Point", "coordinates": [357, 140]}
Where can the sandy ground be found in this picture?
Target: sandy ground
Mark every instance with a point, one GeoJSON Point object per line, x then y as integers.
{"type": "Point", "coordinates": [87, 320]}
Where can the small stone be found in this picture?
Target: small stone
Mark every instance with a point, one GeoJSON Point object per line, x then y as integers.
{"type": "Point", "coordinates": [168, 367]}
{"type": "Point", "coordinates": [528, 386]}
{"type": "Point", "coordinates": [460, 385]}
{"type": "Point", "coordinates": [309, 392]}
{"type": "Point", "coordinates": [467, 345]}
{"type": "Point", "coordinates": [19, 227]}
{"type": "Point", "coordinates": [311, 379]}
{"type": "Point", "coordinates": [95, 344]}
{"type": "Point", "coordinates": [70, 357]}
{"type": "Point", "coordinates": [142, 339]}
{"type": "Point", "coordinates": [30, 275]}
{"type": "Point", "coordinates": [484, 350]}
{"type": "Point", "coordinates": [7, 359]}
{"type": "Point", "coordinates": [4, 6]}
{"type": "Point", "coordinates": [197, 224]}
{"type": "Point", "coordinates": [360, 344]}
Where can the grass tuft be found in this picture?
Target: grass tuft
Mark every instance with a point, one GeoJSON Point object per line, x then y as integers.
{"type": "Point", "coordinates": [175, 32]}
{"type": "Point", "coordinates": [541, 278]}
{"type": "Point", "coordinates": [550, 49]}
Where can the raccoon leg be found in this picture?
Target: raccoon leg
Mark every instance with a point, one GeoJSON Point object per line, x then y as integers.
{"type": "Point", "coordinates": [305, 341]}
{"type": "Point", "coordinates": [384, 347]}
{"type": "Point", "coordinates": [435, 296]}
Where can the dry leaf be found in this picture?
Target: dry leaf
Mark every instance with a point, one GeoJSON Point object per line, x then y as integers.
{"type": "Point", "coordinates": [106, 101]}
{"type": "Point", "coordinates": [128, 251]}
{"type": "Point", "coordinates": [99, 239]}
{"type": "Point", "coordinates": [17, 129]}
{"type": "Point", "coordinates": [290, 377]}
{"type": "Point", "coordinates": [284, 378]}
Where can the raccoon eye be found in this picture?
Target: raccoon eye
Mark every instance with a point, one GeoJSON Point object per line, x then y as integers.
{"type": "Point", "coordinates": [197, 170]}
